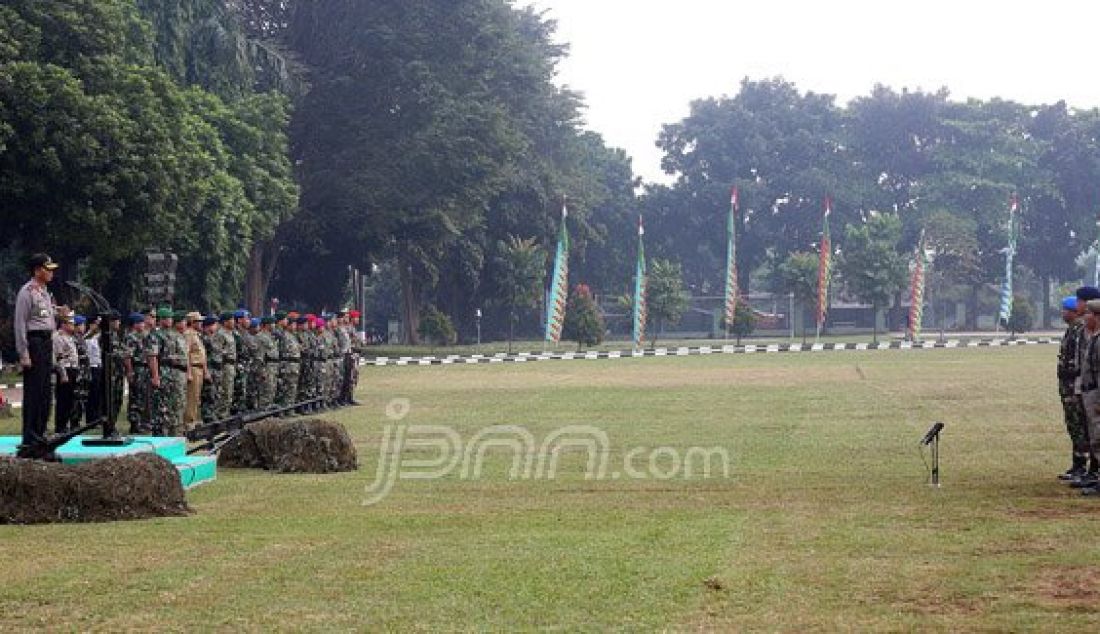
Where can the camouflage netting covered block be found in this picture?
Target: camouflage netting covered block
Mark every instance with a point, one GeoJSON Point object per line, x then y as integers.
{"type": "Point", "coordinates": [124, 488]}
{"type": "Point", "coordinates": [292, 446]}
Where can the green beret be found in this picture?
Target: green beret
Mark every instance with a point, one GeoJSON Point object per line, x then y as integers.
{"type": "Point", "coordinates": [267, 320]}
{"type": "Point", "coordinates": [226, 316]}
{"type": "Point", "coordinates": [164, 312]}
{"type": "Point", "coordinates": [179, 315]}
{"type": "Point", "coordinates": [281, 315]}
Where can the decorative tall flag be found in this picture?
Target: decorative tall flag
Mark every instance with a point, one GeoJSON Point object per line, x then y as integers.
{"type": "Point", "coordinates": [732, 291]}
{"type": "Point", "coordinates": [916, 289]}
{"type": "Point", "coordinates": [559, 284]}
{"type": "Point", "coordinates": [640, 283]}
{"type": "Point", "coordinates": [1010, 256]}
{"type": "Point", "coordinates": [824, 267]}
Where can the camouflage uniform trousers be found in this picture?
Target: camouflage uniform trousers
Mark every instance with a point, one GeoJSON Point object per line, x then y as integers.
{"type": "Point", "coordinates": [265, 386]}
{"type": "Point", "coordinates": [168, 402]}
{"type": "Point", "coordinates": [288, 384]}
{"type": "Point", "coordinates": [226, 380]}
{"type": "Point", "coordinates": [1076, 422]}
{"type": "Point", "coordinates": [305, 380]}
{"type": "Point", "coordinates": [240, 392]}
{"type": "Point", "coordinates": [139, 403]}
{"type": "Point", "coordinates": [332, 388]}
{"type": "Point", "coordinates": [211, 393]}
{"type": "Point", "coordinates": [117, 379]}
{"type": "Point", "coordinates": [351, 378]}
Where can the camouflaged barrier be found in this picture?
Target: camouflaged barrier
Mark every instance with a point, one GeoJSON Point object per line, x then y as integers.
{"type": "Point", "coordinates": [123, 488]}
{"type": "Point", "coordinates": [291, 446]}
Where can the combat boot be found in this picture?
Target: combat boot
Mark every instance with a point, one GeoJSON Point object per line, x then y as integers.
{"type": "Point", "coordinates": [1086, 481]}
{"type": "Point", "coordinates": [1076, 470]}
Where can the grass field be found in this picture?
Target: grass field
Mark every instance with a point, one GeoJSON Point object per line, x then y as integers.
{"type": "Point", "coordinates": [825, 522]}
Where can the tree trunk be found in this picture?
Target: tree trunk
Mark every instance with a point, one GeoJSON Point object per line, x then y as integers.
{"type": "Point", "coordinates": [262, 261]}
{"type": "Point", "coordinates": [1044, 318]}
{"type": "Point", "coordinates": [874, 323]}
{"type": "Point", "coordinates": [511, 327]}
{"type": "Point", "coordinates": [410, 302]}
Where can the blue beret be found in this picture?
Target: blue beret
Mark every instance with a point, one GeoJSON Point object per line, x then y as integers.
{"type": "Point", "coordinates": [1087, 293]}
{"type": "Point", "coordinates": [255, 323]}
{"type": "Point", "coordinates": [135, 318]}
{"type": "Point", "coordinates": [1069, 303]}
{"type": "Point", "coordinates": [80, 320]}
{"type": "Point", "coordinates": [209, 321]}
{"type": "Point", "coordinates": [241, 314]}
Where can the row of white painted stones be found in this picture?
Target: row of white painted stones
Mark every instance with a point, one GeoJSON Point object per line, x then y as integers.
{"type": "Point", "coordinates": [522, 357]}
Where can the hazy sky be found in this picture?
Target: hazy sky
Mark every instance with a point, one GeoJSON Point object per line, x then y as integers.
{"type": "Point", "coordinates": [639, 63]}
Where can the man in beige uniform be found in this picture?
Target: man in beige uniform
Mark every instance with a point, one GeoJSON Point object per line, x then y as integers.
{"type": "Point", "coordinates": [197, 372]}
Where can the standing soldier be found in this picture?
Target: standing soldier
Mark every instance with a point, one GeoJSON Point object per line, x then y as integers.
{"type": "Point", "coordinates": [117, 355]}
{"type": "Point", "coordinates": [215, 363]}
{"type": "Point", "coordinates": [246, 349]}
{"type": "Point", "coordinates": [225, 339]}
{"type": "Point", "coordinates": [290, 359]}
{"type": "Point", "coordinates": [198, 374]}
{"type": "Point", "coordinates": [1084, 295]}
{"type": "Point", "coordinates": [343, 348]}
{"type": "Point", "coordinates": [95, 404]}
{"type": "Point", "coordinates": [351, 363]}
{"type": "Point", "coordinates": [1089, 367]}
{"type": "Point", "coordinates": [1076, 426]}
{"type": "Point", "coordinates": [257, 364]}
{"type": "Point", "coordinates": [322, 354]}
{"type": "Point", "coordinates": [167, 355]}
{"type": "Point", "coordinates": [83, 386]}
{"type": "Point", "coordinates": [309, 365]}
{"type": "Point", "coordinates": [67, 364]}
{"type": "Point", "coordinates": [137, 374]}
{"type": "Point", "coordinates": [269, 375]}
{"type": "Point", "coordinates": [332, 362]}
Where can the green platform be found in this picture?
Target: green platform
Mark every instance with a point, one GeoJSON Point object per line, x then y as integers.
{"type": "Point", "coordinates": [193, 470]}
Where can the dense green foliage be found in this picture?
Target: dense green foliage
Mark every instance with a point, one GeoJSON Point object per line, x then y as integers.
{"type": "Point", "coordinates": [873, 268]}
{"type": "Point", "coordinates": [117, 134]}
{"type": "Point", "coordinates": [435, 327]}
{"type": "Point", "coordinates": [273, 143]}
{"type": "Point", "coordinates": [583, 321]}
{"type": "Point", "coordinates": [666, 297]}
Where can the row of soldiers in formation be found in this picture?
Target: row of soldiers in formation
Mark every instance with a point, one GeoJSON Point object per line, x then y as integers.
{"type": "Point", "coordinates": [184, 369]}
{"type": "Point", "coordinates": [1079, 387]}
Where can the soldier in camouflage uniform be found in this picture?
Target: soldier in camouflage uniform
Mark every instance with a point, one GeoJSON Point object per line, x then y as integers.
{"type": "Point", "coordinates": [267, 378]}
{"type": "Point", "coordinates": [241, 388]}
{"type": "Point", "coordinates": [215, 363]}
{"type": "Point", "coordinates": [351, 361]}
{"type": "Point", "coordinates": [257, 364]}
{"type": "Point", "coordinates": [307, 386]}
{"type": "Point", "coordinates": [290, 359]}
{"type": "Point", "coordinates": [1076, 425]}
{"type": "Point", "coordinates": [117, 355]}
{"type": "Point", "coordinates": [343, 350]}
{"type": "Point", "coordinates": [332, 363]}
{"type": "Point", "coordinates": [137, 375]}
{"type": "Point", "coordinates": [225, 341]}
{"type": "Point", "coordinates": [167, 354]}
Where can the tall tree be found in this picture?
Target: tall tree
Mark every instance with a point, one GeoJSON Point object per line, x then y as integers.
{"type": "Point", "coordinates": [872, 266]}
